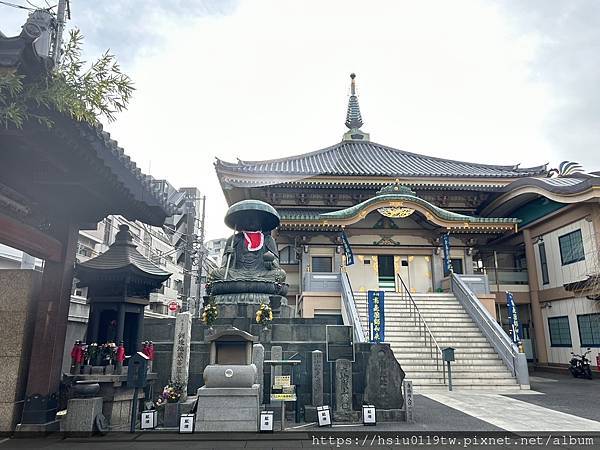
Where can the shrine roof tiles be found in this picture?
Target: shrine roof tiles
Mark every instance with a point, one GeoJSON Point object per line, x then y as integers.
{"type": "Point", "coordinates": [122, 255]}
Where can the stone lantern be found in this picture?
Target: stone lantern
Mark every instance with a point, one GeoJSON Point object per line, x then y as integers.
{"type": "Point", "coordinates": [119, 284]}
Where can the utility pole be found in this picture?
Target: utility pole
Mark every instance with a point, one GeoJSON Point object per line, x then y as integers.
{"type": "Point", "coordinates": [201, 256]}
{"type": "Point", "coordinates": [60, 27]}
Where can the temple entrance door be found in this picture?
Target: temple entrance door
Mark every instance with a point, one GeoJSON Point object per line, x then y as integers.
{"type": "Point", "coordinates": [420, 274]}
{"type": "Point", "coordinates": [403, 269]}
{"type": "Point", "coordinates": [415, 271]}
{"type": "Point", "coordinates": [386, 272]}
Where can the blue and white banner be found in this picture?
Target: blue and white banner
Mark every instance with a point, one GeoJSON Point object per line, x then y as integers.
{"type": "Point", "coordinates": [347, 249]}
{"type": "Point", "coordinates": [376, 302]}
{"type": "Point", "coordinates": [446, 249]}
{"type": "Point", "coordinates": [513, 318]}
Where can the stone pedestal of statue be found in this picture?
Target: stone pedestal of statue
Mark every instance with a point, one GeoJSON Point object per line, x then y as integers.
{"type": "Point", "coordinates": [230, 397]}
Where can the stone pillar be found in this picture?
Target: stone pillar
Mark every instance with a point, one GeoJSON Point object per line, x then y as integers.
{"type": "Point", "coordinates": [534, 288]}
{"type": "Point", "coordinates": [48, 343]}
{"type": "Point", "coordinates": [437, 270]}
{"type": "Point", "coordinates": [409, 403]}
{"type": "Point", "coordinates": [343, 390]}
{"type": "Point", "coordinates": [19, 295]}
{"type": "Point", "coordinates": [337, 261]}
{"type": "Point", "coordinates": [468, 269]}
{"type": "Point", "coordinates": [317, 378]}
{"type": "Point", "coordinates": [120, 323]}
{"type": "Point", "coordinates": [180, 366]}
{"type": "Point", "coordinates": [258, 359]}
{"type": "Point", "coordinates": [137, 345]}
{"type": "Point", "coordinates": [276, 355]}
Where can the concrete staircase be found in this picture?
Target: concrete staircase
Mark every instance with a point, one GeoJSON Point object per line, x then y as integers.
{"type": "Point", "coordinates": [477, 364]}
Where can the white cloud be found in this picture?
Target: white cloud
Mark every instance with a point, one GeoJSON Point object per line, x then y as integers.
{"type": "Point", "coordinates": [265, 79]}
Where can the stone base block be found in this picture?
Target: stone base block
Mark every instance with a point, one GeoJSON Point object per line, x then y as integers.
{"type": "Point", "coordinates": [391, 415]}
{"type": "Point", "coordinates": [37, 429]}
{"type": "Point", "coordinates": [171, 415]}
{"type": "Point", "coordinates": [310, 414]}
{"type": "Point", "coordinates": [347, 416]}
{"type": "Point", "coordinates": [228, 409]}
{"type": "Point", "coordinates": [81, 414]}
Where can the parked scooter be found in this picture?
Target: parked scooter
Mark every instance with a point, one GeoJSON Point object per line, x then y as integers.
{"type": "Point", "coordinates": [580, 365]}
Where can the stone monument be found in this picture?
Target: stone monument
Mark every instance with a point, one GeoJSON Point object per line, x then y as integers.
{"type": "Point", "coordinates": [276, 355]}
{"type": "Point", "coordinates": [343, 391]}
{"type": "Point", "coordinates": [317, 378]}
{"type": "Point", "coordinates": [180, 365]}
{"type": "Point", "coordinates": [258, 359]}
{"type": "Point", "coordinates": [229, 399]}
{"type": "Point", "coordinates": [383, 379]}
{"type": "Point", "coordinates": [250, 274]}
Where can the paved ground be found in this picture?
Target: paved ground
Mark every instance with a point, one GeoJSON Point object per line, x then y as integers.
{"type": "Point", "coordinates": [515, 415]}
{"type": "Point", "coordinates": [566, 394]}
{"type": "Point", "coordinates": [560, 394]}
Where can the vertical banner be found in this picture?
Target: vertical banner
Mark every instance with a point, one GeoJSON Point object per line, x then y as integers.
{"type": "Point", "coordinates": [376, 302]}
{"type": "Point", "coordinates": [446, 249]}
{"type": "Point", "coordinates": [513, 319]}
{"type": "Point", "coordinates": [347, 249]}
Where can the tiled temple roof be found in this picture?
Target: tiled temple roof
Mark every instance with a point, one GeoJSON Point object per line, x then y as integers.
{"type": "Point", "coordinates": [356, 158]}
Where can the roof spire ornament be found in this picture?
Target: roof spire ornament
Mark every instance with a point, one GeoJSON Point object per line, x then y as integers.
{"type": "Point", "coordinates": [353, 117]}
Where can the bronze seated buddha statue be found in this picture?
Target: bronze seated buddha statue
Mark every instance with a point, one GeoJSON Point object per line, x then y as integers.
{"type": "Point", "coordinates": [251, 259]}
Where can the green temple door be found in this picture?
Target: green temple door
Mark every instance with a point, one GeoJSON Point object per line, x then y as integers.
{"type": "Point", "coordinates": [386, 272]}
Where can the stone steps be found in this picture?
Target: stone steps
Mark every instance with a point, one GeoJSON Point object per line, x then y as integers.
{"type": "Point", "coordinates": [412, 333]}
{"type": "Point", "coordinates": [410, 343]}
{"type": "Point", "coordinates": [477, 365]}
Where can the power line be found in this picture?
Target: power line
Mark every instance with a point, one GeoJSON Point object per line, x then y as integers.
{"type": "Point", "coordinates": [36, 7]}
{"type": "Point", "coordinates": [14, 5]}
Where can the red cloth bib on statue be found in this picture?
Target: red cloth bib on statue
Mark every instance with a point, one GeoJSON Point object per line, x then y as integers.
{"type": "Point", "coordinates": [253, 240]}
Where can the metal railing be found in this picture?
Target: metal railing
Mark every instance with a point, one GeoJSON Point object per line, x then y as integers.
{"type": "Point", "coordinates": [505, 275]}
{"type": "Point", "coordinates": [424, 331]}
{"type": "Point", "coordinates": [502, 343]}
{"type": "Point", "coordinates": [349, 311]}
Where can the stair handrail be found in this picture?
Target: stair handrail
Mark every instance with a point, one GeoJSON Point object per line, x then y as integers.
{"type": "Point", "coordinates": [502, 343]}
{"type": "Point", "coordinates": [426, 331]}
{"type": "Point", "coordinates": [349, 308]}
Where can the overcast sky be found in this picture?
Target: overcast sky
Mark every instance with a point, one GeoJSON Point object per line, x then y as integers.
{"type": "Point", "coordinates": [500, 82]}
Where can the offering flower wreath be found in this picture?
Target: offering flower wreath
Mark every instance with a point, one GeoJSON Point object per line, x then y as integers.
{"type": "Point", "coordinates": [210, 313]}
{"type": "Point", "coordinates": [264, 315]}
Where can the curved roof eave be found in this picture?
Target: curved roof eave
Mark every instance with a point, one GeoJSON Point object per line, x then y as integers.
{"type": "Point", "coordinates": [561, 190]}
{"type": "Point", "coordinates": [434, 214]}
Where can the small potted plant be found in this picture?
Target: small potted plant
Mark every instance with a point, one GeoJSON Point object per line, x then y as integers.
{"type": "Point", "coordinates": [169, 401]}
{"type": "Point", "coordinates": [264, 315]}
{"type": "Point", "coordinates": [210, 313]}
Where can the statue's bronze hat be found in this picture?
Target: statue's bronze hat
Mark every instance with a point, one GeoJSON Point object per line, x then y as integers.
{"type": "Point", "coordinates": [248, 214]}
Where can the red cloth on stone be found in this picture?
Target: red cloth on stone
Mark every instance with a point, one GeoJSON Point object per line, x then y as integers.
{"type": "Point", "coordinates": [254, 240]}
{"type": "Point", "coordinates": [150, 353]}
{"type": "Point", "coordinates": [77, 354]}
{"type": "Point", "coordinates": [120, 353]}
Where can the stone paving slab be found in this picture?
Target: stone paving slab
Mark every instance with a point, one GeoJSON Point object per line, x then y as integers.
{"type": "Point", "coordinates": [514, 415]}
{"type": "Point", "coordinates": [561, 392]}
